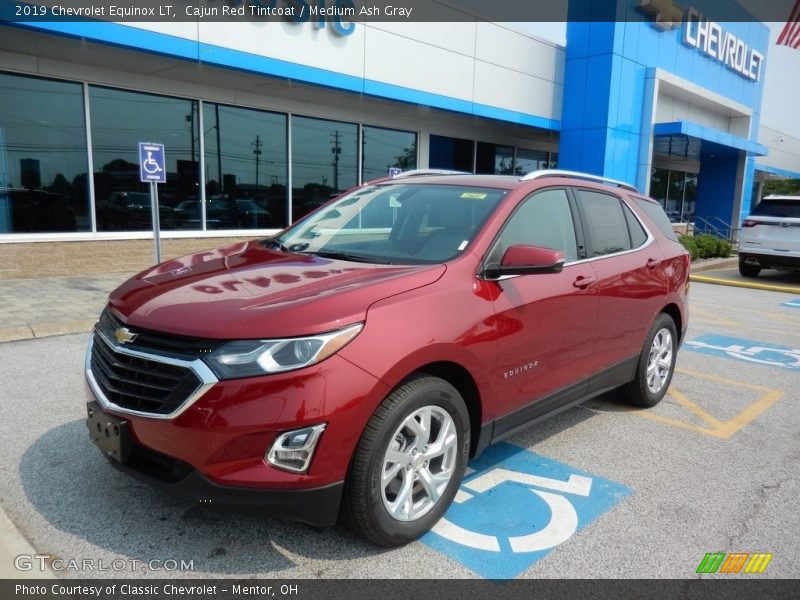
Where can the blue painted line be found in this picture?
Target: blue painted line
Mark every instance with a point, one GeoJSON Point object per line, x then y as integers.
{"type": "Point", "coordinates": [746, 350]}
{"type": "Point", "coordinates": [792, 303]}
{"type": "Point", "coordinates": [516, 508]}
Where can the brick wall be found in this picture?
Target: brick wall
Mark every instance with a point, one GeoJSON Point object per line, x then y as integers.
{"type": "Point", "coordinates": [48, 259]}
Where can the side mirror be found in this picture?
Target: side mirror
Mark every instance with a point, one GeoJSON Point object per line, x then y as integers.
{"type": "Point", "coordinates": [526, 260]}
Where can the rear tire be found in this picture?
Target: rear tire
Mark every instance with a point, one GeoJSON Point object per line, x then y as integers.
{"type": "Point", "coordinates": [747, 270]}
{"type": "Point", "coordinates": [656, 364]}
{"type": "Point", "coordinates": [409, 462]}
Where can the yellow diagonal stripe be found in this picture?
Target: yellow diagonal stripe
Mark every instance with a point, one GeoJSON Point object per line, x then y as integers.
{"type": "Point", "coordinates": [758, 563]}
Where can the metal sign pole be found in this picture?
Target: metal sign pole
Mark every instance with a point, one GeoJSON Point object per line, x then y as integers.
{"type": "Point", "coordinates": [156, 220]}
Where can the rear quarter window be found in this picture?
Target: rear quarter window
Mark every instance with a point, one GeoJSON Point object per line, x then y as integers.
{"type": "Point", "coordinates": [657, 215]}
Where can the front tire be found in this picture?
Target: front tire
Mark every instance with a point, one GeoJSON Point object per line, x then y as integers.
{"type": "Point", "coordinates": [748, 270]}
{"type": "Point", "coordinates": [656, 364]}
{"type": "Point", "coordinates": [409, 462]}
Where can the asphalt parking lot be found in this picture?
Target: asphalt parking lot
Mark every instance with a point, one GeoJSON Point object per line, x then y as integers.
{"type": "Point", "coordinates": [598, 491]}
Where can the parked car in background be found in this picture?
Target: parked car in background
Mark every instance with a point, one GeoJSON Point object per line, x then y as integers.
{"type": "Point", "coordinates": [352, 364]}
{"type": "Point", "coordinates": [129, 210]}
{"type": "Point", "coordinates": [770, 236]}
{"type": "Point", "coordinates": [36, 211]}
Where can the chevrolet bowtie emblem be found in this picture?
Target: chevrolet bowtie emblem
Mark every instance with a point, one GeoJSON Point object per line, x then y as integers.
{"type": "Point", "coordinates": [123, 335]}
{"type": "Point", "coordinates": [665, 14]}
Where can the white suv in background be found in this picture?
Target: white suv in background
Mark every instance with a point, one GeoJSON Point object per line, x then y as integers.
{"type": "Point", "coordinates": [770, 236]}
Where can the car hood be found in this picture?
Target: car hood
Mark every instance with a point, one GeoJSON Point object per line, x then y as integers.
{"type": "Point", "coordinates": [246, 291]}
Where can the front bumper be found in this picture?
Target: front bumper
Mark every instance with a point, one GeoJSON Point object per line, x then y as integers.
{"type": "Point", "coordinates": [318, 507]}
{"type": "Point", "coordinates": [213, 450]}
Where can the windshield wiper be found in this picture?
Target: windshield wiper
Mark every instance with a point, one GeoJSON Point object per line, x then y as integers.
{"type": "Point", "coordinates": [275, 243]}
{"type": "Point", "coordinates": [340, 255]}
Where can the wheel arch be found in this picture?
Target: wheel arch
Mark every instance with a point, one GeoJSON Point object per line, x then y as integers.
{"type": "Point", "coordinates": [461, 379]}
{"type": "Point", "coordinates": [674, 313]}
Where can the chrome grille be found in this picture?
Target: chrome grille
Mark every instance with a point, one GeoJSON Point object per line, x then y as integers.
{"type": "Point", "coordinates": [136, 383]}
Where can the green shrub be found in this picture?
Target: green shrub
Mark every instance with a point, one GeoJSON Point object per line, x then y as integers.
{"type": "Point", "coordinates": [690, 244]}
{"type": "Point", "coordinates": [706, 245]}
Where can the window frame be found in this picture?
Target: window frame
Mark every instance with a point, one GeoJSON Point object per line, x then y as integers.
{"type": "Point", "coordinates": [650, 238]}
{"type": "Point", "coordinates": [576, 224]}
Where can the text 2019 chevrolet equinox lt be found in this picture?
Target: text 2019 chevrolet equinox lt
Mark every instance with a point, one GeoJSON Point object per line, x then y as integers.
{"type": "Point", "coordinates": [349, 366]}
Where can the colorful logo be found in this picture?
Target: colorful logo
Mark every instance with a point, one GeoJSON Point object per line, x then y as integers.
{"type": "Point", "coordinates": [735, 562]}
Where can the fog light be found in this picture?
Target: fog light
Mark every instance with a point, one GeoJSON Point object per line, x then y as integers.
{"type": "Point", "coordinates": [293, 450]}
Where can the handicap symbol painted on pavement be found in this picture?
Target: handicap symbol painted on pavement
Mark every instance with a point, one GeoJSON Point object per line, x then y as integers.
{"type": "Point", "coordinates": [792, 303]}
{"type": "Point", "coordinates": [747, 350]}
{"type": "Point", "coordinates": [514, 507]}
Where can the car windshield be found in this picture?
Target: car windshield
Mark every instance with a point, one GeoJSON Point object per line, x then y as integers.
{"type": "Point", "coordinates": [777, 208]}
{"type": "Point", "coordinates": [395, 223]}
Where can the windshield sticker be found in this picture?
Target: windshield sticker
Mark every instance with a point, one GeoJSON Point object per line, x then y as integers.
{"type": "Point", "coordinates": [474, 195]}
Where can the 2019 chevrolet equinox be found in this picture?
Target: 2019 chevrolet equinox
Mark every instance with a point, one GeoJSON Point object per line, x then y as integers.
{"type": "Point", "coordinates": [352, 364]}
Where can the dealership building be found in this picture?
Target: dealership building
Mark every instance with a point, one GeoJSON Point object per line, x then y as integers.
{"type": "Point", "coordinates": [263, 121]}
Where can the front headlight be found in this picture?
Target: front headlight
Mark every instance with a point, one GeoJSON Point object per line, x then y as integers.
{"type": "Point", "coordinates": [248, 358]}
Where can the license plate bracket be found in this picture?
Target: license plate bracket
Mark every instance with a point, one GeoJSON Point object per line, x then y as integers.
{"type": "Point", "coordinates": [109, 433]}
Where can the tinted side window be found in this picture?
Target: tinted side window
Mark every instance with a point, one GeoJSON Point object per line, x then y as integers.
{"type": "Point", "coordinates": [605, 224]}
{"type": "Point", "coordinates": [658, 216]}
{"type": "Point", "coordinates": [638, 234]}
{"type": "Point", "coordinates": [544, 219]}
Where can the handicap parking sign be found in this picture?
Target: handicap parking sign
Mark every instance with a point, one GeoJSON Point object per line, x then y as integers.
{"type": "Point", "coordinates": [515, 507]}
{"type": "Point", "coordinates": [152, 163]}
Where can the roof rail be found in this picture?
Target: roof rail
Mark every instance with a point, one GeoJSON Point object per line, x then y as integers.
{"type": "Point", "coordinates": [577, 175]}
{"type": "Point", "coordinates": [418, 172]}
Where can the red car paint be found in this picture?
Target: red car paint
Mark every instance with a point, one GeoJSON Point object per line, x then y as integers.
{"type": "Point", "coordinates": [505, 344]}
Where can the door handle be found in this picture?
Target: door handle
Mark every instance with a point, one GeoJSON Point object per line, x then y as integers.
{"type": "Point", "coordinates": [583, 282]}
{"type": "Point", "coordinates": [652, 263]}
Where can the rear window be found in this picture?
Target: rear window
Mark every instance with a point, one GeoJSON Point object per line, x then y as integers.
{"type": "Point", "coordinates": [657, 216]}
{"type": "Point", "coordinates": [777, 208]}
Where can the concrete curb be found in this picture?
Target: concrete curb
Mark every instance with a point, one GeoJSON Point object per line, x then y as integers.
{"type": "Point", "coordinates": [41, 330]}
{"type": "Point", "coordinates": [725, 263]}
{"type": "Point", "coordinates": [12, 544]}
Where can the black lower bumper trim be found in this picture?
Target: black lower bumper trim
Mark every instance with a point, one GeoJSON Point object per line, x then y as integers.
{"type": "Point", "coordinates": [768, 261]}
{"type": "Point", "coordinates": [318, 507]}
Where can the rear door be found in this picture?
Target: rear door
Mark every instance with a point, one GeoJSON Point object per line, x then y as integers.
{"type": "Point", "coordinates": [545, 322]}
{"type": "Point", "coordinates": [630, 287]}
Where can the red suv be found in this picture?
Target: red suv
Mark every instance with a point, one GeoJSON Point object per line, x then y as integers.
{"type": "Point", "coordinates": [351, 365]}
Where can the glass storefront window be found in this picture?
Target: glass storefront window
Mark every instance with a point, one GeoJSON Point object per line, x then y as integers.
{"type": "Point", "coordinates": [120, 120]}
{"type": "Point", "coordinates": [386, 148]}
{"type": "Point", "coordinates": [43, 166]}
{"type": "Point", "coordinates": [494, 160]}
{"type": "Point", "coordinates": [451, 153]}
{"type": "Point", "coordinates": [658, 184]}
{"type": "Point", "coordinates": [324, 162]}
{"type": "Point", "coordinates": [675, 195]}
{"type": "Point", "coordinates": [690, 196]}
{"type": "Point", "coordinates": [530, 160]}
{"type": "Point", "coordinates": [246, 172]}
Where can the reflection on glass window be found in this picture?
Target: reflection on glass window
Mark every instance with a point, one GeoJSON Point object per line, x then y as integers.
{"type": "Point", "coordinates": [492, 159]}
{"type": "Point", "coordinates": [246, 172]}
{"type": "Point", "coordinates": [387, 148]}
{"type": "Point", "coordinates": [689, 196]}
{"type": "Point", "coordinates": [324, 162]}
{"type": "Point", "coordinates": [43, 184]}
{"type": "Point", "coordinates": [658, 184]}
{"type": "Point", "coordinates": [451, 153]}
{"type": "Point", "coordinates": [529, 161]}
{"type": "Point", "coordinates": [675, 195]}
{"type": "Point", "coordinates": [120, 120]}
